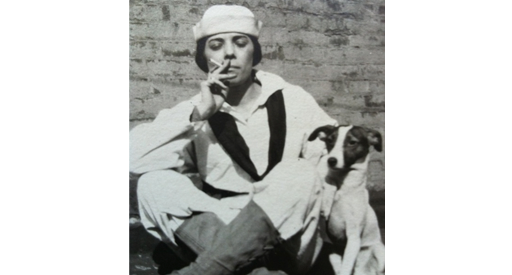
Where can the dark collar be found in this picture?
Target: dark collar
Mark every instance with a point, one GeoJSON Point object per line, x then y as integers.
{"type": "Point", "coordinates": [226, 131]}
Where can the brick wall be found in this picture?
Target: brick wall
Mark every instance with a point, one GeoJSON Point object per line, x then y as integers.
{"type": "Point", "coordinates": [332, 48]}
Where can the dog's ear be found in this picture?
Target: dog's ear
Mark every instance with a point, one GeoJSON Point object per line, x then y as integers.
{"type": "Point", "coordinates": [374, 138]}
{"type": "Point", "coordinates": [322, 131]}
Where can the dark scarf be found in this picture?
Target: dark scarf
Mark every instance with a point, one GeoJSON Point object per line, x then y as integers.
{"type": "Point", "coordinates": [226, 131]}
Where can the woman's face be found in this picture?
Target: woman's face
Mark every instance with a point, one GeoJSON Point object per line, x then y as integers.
{"type": "Point", "coordinates": [236, 47]}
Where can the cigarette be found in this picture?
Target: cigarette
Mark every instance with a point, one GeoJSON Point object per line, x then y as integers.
{"type": "Point", "coordinates": [215, 62]}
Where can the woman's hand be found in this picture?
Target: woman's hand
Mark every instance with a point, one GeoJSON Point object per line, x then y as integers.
{"type": "Point", "coordinates": [213, 92]}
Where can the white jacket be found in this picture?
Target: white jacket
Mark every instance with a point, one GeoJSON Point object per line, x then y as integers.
{"type": "Point", "coordinates": [171, 141]}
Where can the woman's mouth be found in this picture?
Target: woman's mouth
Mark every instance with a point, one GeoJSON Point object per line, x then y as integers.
{"type": "Point", "coordinates": [233, 69]}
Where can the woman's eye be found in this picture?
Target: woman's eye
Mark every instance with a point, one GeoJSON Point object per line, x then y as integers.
{"type": "Point", "coordinates": [215, 45]}
{"type": "Point", "coordinates": [241, 42]}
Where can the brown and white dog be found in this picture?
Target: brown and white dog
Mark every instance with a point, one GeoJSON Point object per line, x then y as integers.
{"type": "Point", "coordinates": [351, 218]}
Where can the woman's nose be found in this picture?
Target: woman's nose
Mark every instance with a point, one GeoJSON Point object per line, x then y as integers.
{"type": "Point", "coordinates": [229, 51]}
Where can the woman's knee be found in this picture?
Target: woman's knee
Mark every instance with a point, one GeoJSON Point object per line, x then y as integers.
{"type": "Point", "coordinates": [161, 196]}
{"type": "Point", "coordinates": [160, 182]}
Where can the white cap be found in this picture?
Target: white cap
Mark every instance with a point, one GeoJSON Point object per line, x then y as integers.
{"type": "Point", "coordinates": [227, 18]}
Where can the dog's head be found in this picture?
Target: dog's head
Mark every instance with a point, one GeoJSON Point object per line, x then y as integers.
{"type": "Point", "coordinates": [347, 144]}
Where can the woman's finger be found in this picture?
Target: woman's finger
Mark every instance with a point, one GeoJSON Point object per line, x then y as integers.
{"type": "Point", "coordinates": [226, 76]}
{"type": "Point", "coordinates": [214, 81]}
{"type": "Point", "coordinates": [214, 69]}
{"type": "Point", "coordinates": [212, 78]}
{"type": "Point", "coordinates": [218, 82]}
{"type": "Point", "coordinates": [221, 77]}
{"type": "Point", "coordinates": [222, 66]}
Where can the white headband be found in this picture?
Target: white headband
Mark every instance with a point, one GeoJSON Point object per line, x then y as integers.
{"type": "Point", "coordinates": [227, 18]}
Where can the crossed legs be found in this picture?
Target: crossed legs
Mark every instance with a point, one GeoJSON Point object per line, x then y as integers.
{"type": "Point", "coordinates": [287, 203]}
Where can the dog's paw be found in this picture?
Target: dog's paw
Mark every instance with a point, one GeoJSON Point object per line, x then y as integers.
{"type": "Point", "coordinates": [335, 260]}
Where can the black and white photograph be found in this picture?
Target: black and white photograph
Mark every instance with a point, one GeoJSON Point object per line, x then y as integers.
{"type": "Point", "coordinates": [257, 137]}
{"type": "Point", "coordinates": [250, 137]}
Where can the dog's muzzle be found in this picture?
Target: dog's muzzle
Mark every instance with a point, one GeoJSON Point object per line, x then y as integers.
{"type": "Point", "coordinates": [332, 162]}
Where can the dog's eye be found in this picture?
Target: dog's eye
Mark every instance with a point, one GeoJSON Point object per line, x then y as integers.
{"type": "Point", "coordinates": [352, 142]}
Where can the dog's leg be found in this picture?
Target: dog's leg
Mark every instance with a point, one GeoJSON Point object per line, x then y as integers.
{"type": "Point", "coordinates": [351, 250]}
{"type": "Point", "coordinates": [371, 239]}
{"type": "Point", "coordinates": [336, 262]}
{"type": "Point", "coordinates": [379, 257]}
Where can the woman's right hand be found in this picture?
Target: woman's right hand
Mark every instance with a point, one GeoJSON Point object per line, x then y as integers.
{"type": "Point", "coordinates": [213, 92]}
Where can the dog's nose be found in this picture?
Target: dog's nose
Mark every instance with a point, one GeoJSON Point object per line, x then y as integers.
{"type": "Point", "coordinates": [332, 161]}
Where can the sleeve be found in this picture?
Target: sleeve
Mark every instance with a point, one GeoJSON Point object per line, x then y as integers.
{"type": "Point", "coordinates": [166, 143]}
{"type": "Point", "coordinates": [316, 117]}
{"type": "Point", "coordinates": [160, 144]}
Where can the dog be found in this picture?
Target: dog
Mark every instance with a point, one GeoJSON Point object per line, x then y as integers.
{"type": "Point", "coordinates": [351, 217]}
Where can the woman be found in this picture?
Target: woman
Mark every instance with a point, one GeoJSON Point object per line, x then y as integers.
{"type": "Point", "coordinates": [245, 136]}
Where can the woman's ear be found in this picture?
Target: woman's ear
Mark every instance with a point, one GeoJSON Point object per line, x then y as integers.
{"type": "Point", "coordinates": [322, 132]}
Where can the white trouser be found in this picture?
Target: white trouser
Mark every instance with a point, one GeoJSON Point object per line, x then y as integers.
{"type": "Point", "coordinates": [291, 196]}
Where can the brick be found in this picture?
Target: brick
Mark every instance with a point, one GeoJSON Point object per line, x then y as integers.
{"type": "Point", "coordinates": [296, 22]}
{"type": "Point", "coordinates": [373, 55]}
{"type": "Point", "coordinates": [158, 95]}
{"type": "Point", "coordinates": [297, 71]}
{"type": "Point", "coordinates": [358, 87]}
{"type": "Point", "coordinates": [145, 49]}
{"type": "Point", "coordinates": [376, 176]}
{"type": "Point", "coordinates": [137, 12]}
{"type": "Point", "coordinates": [273, 35]}
{"type": "Point", "coordinates": [273, 52]}
{"type": "Point", "coordinates": [143, 90]}
{"type": "Point", "coordinates": [139, 68]}
{"type": "Point", "coordinates": [334, 55]}
{"type": "Point", "coordinates": [374, 101]}
{"type": "Point", "coordinates": [166, 15]}
{"type": "Point", "coordinates": [367, 27]}
{"type": "Point", "coordinates": [362, 103]}
{"type": "Point", "coordinates": [161, 30]}
{"type": "Point", "coordinates": [373, 72]}
{"type": "Point", "coordinates": [154, 13]}
{"type": "Point", "coordinates": [165, 67]}
{"type": "Point", "coordinates": [355, 117]}
{"type": "Point", "coordinates": [366, 40]}
{"type": "Point", "coordinates": [252, 4]}
{"type": "Point", "coordinates": [339, 86]}
{"type": "Point", "coordinates": [331, 73]}
{"type": "Point", "coordinates": [377, 87]}
{"type": "Point", "coordinates": [320, 89]}
{"type": "Point", "coordinates": [139, 89]}
{"type": "Point", "coordinates": [186, 14]}
{"type": "Point", "coordinates": [381, 10]}
{"type": "Point", "coordinates": [154, 31]}
{"type": "Point", "coordinates": [310, 38]}
{"type": "Point", "coordinates": [178, 49]}
{"type": "Point", "coordinates": [273, 66]}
